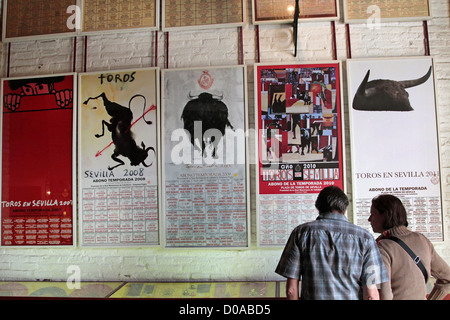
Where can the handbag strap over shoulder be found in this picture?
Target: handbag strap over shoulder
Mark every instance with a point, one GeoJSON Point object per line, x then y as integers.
{"type": "Point", "coordinates": [415, 257]}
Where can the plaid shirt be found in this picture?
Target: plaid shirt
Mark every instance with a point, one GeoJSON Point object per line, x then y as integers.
{"type": "Point", "coordinates": [333, 258]}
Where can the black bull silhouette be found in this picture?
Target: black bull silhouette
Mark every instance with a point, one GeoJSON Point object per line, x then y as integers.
{"type": "Point", "coordinates": [385, 95]}
{"type": "Point", "coordinates": [211, 112]}
{"type": "Point", "coordinates": [122, 137]}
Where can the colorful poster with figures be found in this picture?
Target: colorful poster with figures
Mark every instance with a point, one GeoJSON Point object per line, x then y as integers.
{"type": "Point", "coordinates": [206, 202]}
{"type": "Point", "coordinates": [394, 140]}
{"type": "Point", "coordinates": [118, 167]}
{"type": "Point", "coordinates": [299, 133]}
{"type": "Point", "coordinates": [38, 164]}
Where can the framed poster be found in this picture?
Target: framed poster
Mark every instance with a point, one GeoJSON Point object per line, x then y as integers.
{"type": "Point", "coordinates": [300, 148]}
{"type": "Point", "coordinates": [282, 11]}
{"type": "Point", "coordinates": [207, 14]}
{"type": "Point", "coordinates": [394, 139]}
{"type": "Point", "coordinates": [363, 11]}
{"type": "Point", "coordinates": [205, 174]}
{"type": "Point", "coordinates": [118, 158]}
{"type": "Point", "coordinates": [25, 19]}
{"type": "Point", "coordinates": [120, 15]}
{"type": "Point", "coordinates": [38, 192]}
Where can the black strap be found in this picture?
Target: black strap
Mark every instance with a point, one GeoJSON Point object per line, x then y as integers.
{"type": "Point", "coordinates": [413, 256]}
{"type": "Point", "coordinates": [295, 25]}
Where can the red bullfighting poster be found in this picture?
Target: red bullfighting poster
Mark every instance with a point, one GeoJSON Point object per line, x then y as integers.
{"type": "Point", "coordinates": [37, 199]}
{"type": "Point", "coordinates": [299, 123]}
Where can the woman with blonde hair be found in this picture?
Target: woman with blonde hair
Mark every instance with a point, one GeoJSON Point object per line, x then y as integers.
{"type": "Point", "coordinates": [409, 256]}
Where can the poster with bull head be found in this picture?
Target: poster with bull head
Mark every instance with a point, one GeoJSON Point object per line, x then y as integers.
{"type": "Point", "coordinates": [204, 157]}
{"type": "Point", "coordinates": [38, 193]}
{"type": "Point", "coordinates": [394, 139]}
{"type": "Point", "coordinates": [118, 158]}
{"type": "Point", "coordinates": [299, 143]}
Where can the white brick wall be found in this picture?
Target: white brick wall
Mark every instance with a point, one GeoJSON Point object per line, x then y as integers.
{"type": "Point", "coordinates": [217, 47]}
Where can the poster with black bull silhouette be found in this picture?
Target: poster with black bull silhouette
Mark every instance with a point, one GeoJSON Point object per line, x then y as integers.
{"type": "Point", "coordinates": [38, 193]}
{"type": "Point", "coordinates": [394, 139]}
{"type": "Point", "coordinates": [299, 143]}
{"type": "Point", "coordinates": [204, 157]}
{"type": "Point", "coordinates": [118, 167]}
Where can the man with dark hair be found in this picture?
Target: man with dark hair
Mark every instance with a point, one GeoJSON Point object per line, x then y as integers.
{"type": "Point", "coordinates": [332, 199]}
{"type": "Point", "coordinates": [333, 258]}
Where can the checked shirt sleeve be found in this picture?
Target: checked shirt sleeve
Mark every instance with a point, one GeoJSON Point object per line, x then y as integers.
{"type": "Point", "coordinates": [374, 269]}
{"type": "Point", "coordinates": [289, 264]}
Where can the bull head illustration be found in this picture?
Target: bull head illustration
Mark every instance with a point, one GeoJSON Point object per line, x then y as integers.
{"type": "Point", "coordinates": [385, 95]}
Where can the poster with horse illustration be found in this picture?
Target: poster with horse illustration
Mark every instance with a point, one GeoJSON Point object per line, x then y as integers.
{"type": "Point", "coordinates": [38, 183]}
{"type": "Point", "coordinates": [394, 139]}
{"type": "Point", "coordinates": [118, 157]}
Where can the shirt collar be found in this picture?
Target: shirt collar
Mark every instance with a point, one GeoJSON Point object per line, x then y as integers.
{"type": "Point", "coordinates": [332, 216]}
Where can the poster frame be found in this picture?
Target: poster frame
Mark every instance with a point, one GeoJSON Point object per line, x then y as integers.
{"type": "Point", "coordinates": [74, 158]}
{"type": "Point", "coordinates": [341, 123]}
{"type": "Point", "coordinates": [300, 19]}
{"type": "Point", "coordinates": [205, 26]}
{"type": "Point", "coordinates": [248, 199]}
{"type": "Point", "coordinates": [158, 160]}
{"type": "Point", "coordinates": [351, 130]}
{"type": "Point", "coordinates": [361, 20]}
